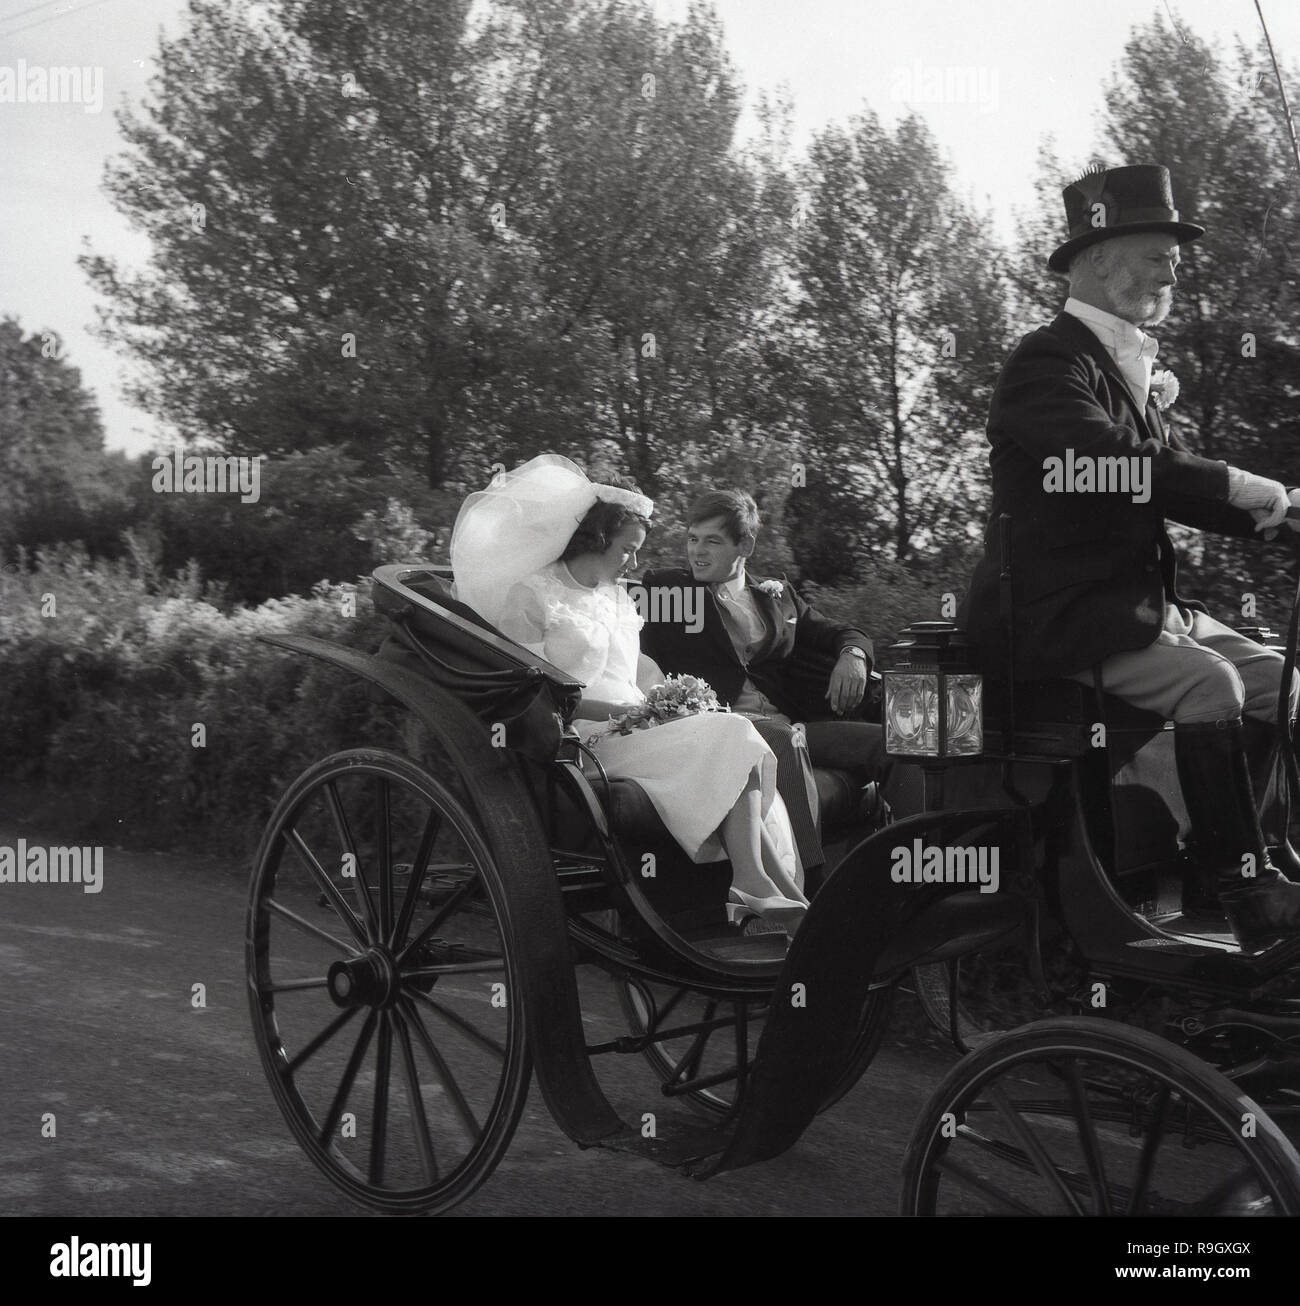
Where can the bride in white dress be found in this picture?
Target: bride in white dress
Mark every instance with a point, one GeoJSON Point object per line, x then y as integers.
{"type": "Point", "coordinates": [540, 555]}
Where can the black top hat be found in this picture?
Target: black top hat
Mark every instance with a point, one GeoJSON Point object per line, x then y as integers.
{"type": "Point", "coordinates": [1111, 202]}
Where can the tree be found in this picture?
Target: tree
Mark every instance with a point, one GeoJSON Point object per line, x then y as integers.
{"type": "Point", "coordinates": [901, 327]}
{"type": "Point", "coordinates": [440, 236]}
{"type": "Point", "coordinates": [1216, 124]}
{"type": "Point", "coordinates": [56, 481]}
{"type": "Point", "coordinates": [1232, 338]}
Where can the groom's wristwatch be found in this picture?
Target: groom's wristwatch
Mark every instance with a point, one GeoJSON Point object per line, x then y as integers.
{"type": "Point", "coordinates": [854, 651]}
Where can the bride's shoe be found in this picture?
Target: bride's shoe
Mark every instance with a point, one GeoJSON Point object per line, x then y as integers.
{"type": "Point", "coordinates": [778, 912]}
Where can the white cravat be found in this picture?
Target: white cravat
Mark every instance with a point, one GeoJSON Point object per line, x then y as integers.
{"type": "Point", "coordinates": [1133, 350]}
{"type": "Point", "coordinates": [746, 629]}
{"type": "Point", "coordinates": [741, 615]}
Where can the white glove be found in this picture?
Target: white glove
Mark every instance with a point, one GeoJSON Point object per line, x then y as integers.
{"type": "Point", "coordinates": [1265, 500]}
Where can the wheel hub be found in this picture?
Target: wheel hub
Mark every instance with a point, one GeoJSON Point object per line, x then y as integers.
{"type": "Point", "coordinates": [367, 981]}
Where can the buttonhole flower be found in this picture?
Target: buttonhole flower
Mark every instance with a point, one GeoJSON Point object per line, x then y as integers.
{"type": "Point", "coordinates": [1164, 389]}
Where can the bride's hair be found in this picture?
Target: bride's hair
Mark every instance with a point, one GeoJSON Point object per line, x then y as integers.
{"type": "Point", "coordinates": [602, 522]}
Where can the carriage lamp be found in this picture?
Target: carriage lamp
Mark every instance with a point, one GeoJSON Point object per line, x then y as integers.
{"type": "Point", "coordinates": [933, 700]}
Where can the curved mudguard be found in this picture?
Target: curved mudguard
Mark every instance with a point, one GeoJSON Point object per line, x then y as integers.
{"type": "Point", "coordinates": [538, 930]}
{"type": "Point", "coordinates": [814, 1021]}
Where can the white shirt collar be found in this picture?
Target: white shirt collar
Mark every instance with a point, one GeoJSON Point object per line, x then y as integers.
{"type": "Point", "coordinates": [734, 587]}
{"type": "Point", "coordinates": [1131, 348]}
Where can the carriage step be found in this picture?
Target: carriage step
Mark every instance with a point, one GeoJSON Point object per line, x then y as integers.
{"type": "Point", "coordinates": [1202, 934]}
{"type": "Point", "coordinates": [676, 1144]}
{"type": "Point", "coordinates": [744, 947]}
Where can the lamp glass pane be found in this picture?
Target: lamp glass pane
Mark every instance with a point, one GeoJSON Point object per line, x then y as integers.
{"type": "Point", "coordinates": [965, 698]}
{"type": "Point", "coordinates": [911, 714]}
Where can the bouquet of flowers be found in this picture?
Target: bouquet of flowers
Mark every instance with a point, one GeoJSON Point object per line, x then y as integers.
{"type": "Point", "coordinates": [678, 696]}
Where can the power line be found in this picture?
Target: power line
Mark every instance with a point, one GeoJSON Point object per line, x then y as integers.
{"type": "Point", "coordinates": [31, 9]}
{"type": "Point", "coordinates": [53, 18]}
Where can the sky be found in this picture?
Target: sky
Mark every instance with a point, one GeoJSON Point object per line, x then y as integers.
{"type": "Point", "coordinates": [993, 78]}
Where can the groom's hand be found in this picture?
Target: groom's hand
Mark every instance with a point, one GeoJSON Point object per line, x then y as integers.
{"type": "Point", "coordinates": [848, 683]}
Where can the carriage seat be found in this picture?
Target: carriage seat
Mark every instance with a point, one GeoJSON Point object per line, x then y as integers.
{"type": "Point", "coordinates": [1056, 717]}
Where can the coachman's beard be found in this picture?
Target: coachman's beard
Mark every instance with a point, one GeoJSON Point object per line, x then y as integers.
{"type": "Point", "coordinates": [1144, 307]}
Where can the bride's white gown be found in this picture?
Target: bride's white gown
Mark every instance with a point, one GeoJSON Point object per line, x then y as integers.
{"type": "Point", "coordinates": [693, 770]}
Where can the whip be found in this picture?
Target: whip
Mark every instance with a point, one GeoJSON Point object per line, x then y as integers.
{"type": "Point", "coordinates": [1293, 630]}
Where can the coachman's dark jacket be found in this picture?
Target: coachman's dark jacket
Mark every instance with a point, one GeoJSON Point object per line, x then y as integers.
{"type": "Point", "coordinates": [1091, 571]}
{"type": "Point", "coordinates": [792, 667]}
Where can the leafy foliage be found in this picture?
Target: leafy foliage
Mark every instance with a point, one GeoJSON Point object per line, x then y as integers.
{"type": "Point", "coordinates": [110, 665]}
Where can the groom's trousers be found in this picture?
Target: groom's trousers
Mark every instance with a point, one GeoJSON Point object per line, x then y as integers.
{"type": "Point", "coordinates": [853, 746]}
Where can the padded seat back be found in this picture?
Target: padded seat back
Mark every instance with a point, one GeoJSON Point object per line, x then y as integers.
{"type": "Point", "coordinates": [443, 639]}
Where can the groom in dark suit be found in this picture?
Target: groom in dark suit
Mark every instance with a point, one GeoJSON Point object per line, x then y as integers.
{"type": "Point", "coordinates": [762, 648]}
{"type": "Point", "coordinates": [1088, 471]}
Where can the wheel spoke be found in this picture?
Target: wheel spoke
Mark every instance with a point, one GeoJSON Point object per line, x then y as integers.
{"type": "Point", "coordinates": [1037, 1153]}
{"type": "Point", "coordinates": [1147, 1161]}
{"type": "Point", "coordinates": [486, 966]}
{"type": "Point", "coordinates": [322, 1038]}
{"type": "Point", "coordinates": [439, 916]}
{"type": "Point", "coordinates": [345, 1084]}
{"type": "Point", "coordinates": [667, 1008]}
{"type": "Point", "coordinates": [307, 927]}
{"type": "Point", "coordinates": [430, 833]}
{"type": "Point", "coordinates": [326, 885]}
{"type": "Point", "coordinates": [1088, 1140]}
{"type": "Point", "coordinates": [384, 840]}
{"type": "Point", "coordinates": [469, 1030]}
{"type": "Point", "coordinates": [955, 1170]}
{"type": "Point", "coordinates": [445, 1076]}
{"type": "Point", "coordinates": [419, 1120]}
{"type": "Point", "coordinates": [689, 1065]}
{"type": "Point", "coordinates": [379, 1124]}
{"type": "Point", "coordinates": [335, 804]}
{"type": "Point", "coordinates": [742, 1047]}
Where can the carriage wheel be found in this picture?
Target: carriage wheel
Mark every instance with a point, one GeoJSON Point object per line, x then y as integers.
{"type": "Point", "coordinates": [708, 1062]}
{"type": "Point", "coordinates": [1085, 1117]}
{"type": "Point", "coordinates": [385, 1000]}
{"type": "Point", "coordinates": [932, 985]}
{"type": "Point", "coordinates": [995, 992]}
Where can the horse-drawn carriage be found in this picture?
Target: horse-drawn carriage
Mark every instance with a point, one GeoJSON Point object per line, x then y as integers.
{"type": "Point", "coordinates": [418, 923]}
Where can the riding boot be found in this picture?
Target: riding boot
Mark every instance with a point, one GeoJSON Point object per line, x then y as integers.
{"type": "Point", "coordinates": [1268, 780]}
{"type": "Point", "coordinates": [1260, 904]}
